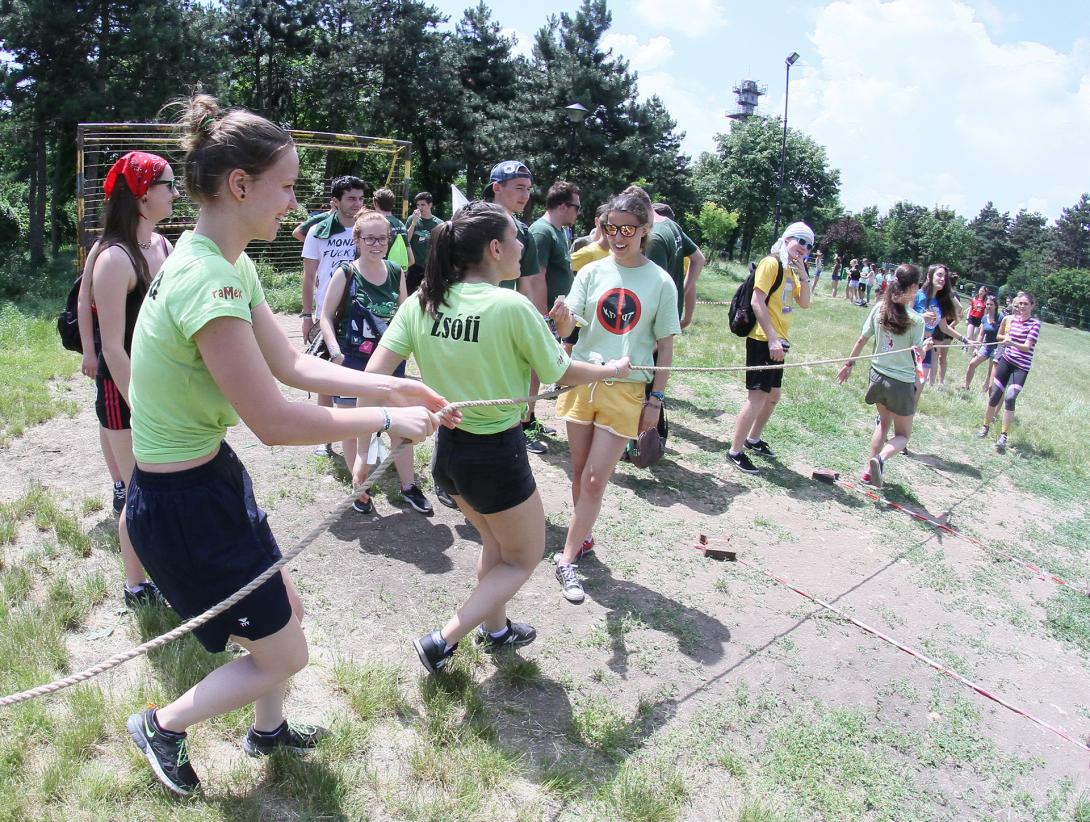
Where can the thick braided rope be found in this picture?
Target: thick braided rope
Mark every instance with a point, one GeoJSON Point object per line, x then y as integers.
{"type": "Point", "coordinates": [780, 366]}
{"type": "Point", "coordinates": [257, 582]}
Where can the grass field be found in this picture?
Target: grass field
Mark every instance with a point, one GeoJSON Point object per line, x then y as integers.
{"type": "Point", "coordinates": [684, 689]}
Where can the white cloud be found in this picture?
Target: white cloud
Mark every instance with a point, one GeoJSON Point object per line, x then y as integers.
{"type": "Point", "coordinates": [695, 18]}
{"type": "Point", "coordinates": [524, 44]}
{"type": "Point", "coordinates": [641, 56]}
{"type": "Point", "coordinates": [915, 100]}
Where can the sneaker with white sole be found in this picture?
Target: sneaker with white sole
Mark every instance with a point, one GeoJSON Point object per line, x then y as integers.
{"type": "Point", "coordinates": [877, 464]}
{"type": "Point", "coordinates": [743, 462]}
{"type": "Point", "coordinates": [416, 499]}
{"type": "Point", "coordinates": [982, 432]}
{"type": "Point", "coordinates": [167, 753]}
{"type": "Point", "coordinates": [445, 498]}
{"type": "Point", "coordinates": [760, 447]}
{"type": "Point", "coordinates": [434, 653]}
{"type": "Point", "coordinates": [365, 507]}
{"type": "Point", "coordinates": [516, 635]}
{"type": "Point", "coordinates": [288, 737]}
{"type": "Point", "coordinates": [570, 586]}
{"type": "Point", "coordinates": [1001, 443]}
{"type": "Point", "coordinates": [119, 496]}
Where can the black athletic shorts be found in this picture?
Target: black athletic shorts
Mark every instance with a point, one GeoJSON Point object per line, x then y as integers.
{"type": "Point", "coordinates": [201, 537]}
{"type": "Point", "coordinates": [491, 472]}
{"type": "Point", "coordinates": [757, 354]}
{"type": "Point", "coordinates": [110, 406]}
{"type": "Point", "coordinates": [413, 277]}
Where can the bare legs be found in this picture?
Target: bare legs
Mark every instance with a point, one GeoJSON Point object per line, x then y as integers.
{"type": "Point", "coordinates": [512, 545]}
{"type": "Point", "coordinates": [594, 455]}
{"type": "Point", "coordinates": [902, 430]}
{"type": "Point", "coordinates": [119, 444]}
{"type": "Point", "coordinates": [755, 413]}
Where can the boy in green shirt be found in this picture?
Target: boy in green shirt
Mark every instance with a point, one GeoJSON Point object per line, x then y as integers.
{"type": "Point", "coordinates": [421, 224]}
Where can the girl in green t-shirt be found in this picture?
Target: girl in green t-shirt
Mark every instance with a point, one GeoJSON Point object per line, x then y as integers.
{"type": "Point", "coordinates": [474, 341]}
{"type": "Point", "coordinates": [206, 352]}
{"type": "Point", "coordinates": [892, 385]}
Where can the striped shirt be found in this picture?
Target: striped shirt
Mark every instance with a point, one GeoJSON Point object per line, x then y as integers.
{"type": "Point", "coordinates": [1026, 333]}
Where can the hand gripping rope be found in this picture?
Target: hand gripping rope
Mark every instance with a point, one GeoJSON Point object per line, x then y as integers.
{"type": "Point", "coordinates": [199, 620]}
{"type": "Point", "coordinates": [246, 590]}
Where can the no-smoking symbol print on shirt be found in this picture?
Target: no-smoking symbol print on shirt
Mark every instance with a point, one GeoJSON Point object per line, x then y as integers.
{"type": "Point", "coordinates": [618, 311]}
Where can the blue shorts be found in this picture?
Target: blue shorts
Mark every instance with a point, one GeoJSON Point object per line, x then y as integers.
{"type": "Point", "coordinates": [358, 362]}
{"type": "Point", "coordinates": [201, 537]}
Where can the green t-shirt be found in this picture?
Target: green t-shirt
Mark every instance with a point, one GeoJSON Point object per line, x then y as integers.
{"type": "Point", "coordinates": [528, 263]}
{"type": "Point", "coordinates": [627, 311]}
{"type": "Point", "coordinates": [421, 235]}
{"type": "Point", "coordinates": [178, 411]}
{"type": "Point", "coordinates": [668, 246]}
{"type": "Point", "coordinates": [552, 253]}
{"type": "Point", "coordinates": [481, 346]}
{"type": "Point", "coordinates": [900, 367]}
{"type": "Point", "coordinates": [313, 220]}
{"type": "Point", "coordinates": [380, 300]}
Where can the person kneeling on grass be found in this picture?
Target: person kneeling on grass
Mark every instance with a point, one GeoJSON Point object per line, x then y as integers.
{"type": "Point", "coordinates": [631, 305]}
{"type": "Point", "coordinates": [475, 341]}
{"type": "Point", "coordinates": [892, 385]}
{"type": "Point", "coordinates": [206, 352]}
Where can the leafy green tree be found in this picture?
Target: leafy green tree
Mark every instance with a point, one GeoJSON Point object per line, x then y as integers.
{"type": "Point", "coordinates": [717, 225]}
{"type": "Point", "coordinates": [902, 227]}
{"type": "Point", "coordinates": [991, 254]}
{"type": "Point", "coordinates": [1072, 235]}
{"type": "Point", "coordinates": [944, 237]}
{"type": "Point", "coordinates": [846, 235]}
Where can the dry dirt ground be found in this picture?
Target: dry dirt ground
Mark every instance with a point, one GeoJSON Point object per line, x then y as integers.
{"type": "Point", "coordinates": [675, 639]}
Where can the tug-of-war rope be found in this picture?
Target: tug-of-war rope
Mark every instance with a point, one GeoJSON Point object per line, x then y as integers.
{"type": "Point", "coordinates": [199, 620]}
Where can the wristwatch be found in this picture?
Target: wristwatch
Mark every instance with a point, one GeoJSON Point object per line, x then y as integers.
{"type": "Point", "coordinates": [658, 395]}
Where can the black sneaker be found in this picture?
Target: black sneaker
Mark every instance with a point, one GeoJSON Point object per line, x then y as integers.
{"type": "Point", "coordinates": [434, 652]}
{"type": "Point", "coordinates": [445, 498]}
{"type": "Point", "coordinates": [1001, 443]}
{"type": "Point", "coordinates": [761, 447]}
{"type": "Point", "coordinates": [533, 444]}
{"type": "Point", "coordinates": [416, 499]}
{"type": "Point", "coordinates": [167, 753]}
{"type": "Point", "coordinates": [119, 496]}
{"type": "Point", "coordinates": [289, 737]}
{"type": "Point", "coordinates": [146, 594]}
{"type": "Point", "coordinates": [366, 507]}
{"type": "Point", "coordinates": [744, 463]}
{"type": "Point", "coordinates": [516, 635]}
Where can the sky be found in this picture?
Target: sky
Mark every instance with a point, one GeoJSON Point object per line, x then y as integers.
{"type": "Point", "coordinates": [940, 102]}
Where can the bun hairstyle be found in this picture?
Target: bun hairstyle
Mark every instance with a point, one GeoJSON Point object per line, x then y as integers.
{"type": "Point", "coordinates": [893, 316]}
{"type": "Point", "coordinates": [217, 142]}
{"type": "Point", "coordinates": [459, 245]}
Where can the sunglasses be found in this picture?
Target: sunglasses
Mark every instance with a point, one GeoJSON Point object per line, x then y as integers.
{"type": "Point", "coordinates": [803, 242]}
{"type": "Point", "coordinates": [374, 240]}
{"type": "Point", "coordinates": [626, 230]}
{"type": "Point", "coordinates": [172, 183]}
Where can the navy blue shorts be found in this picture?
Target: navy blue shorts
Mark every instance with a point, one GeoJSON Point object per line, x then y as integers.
{"type": "Point", "coordinates": [358, 362]}
{"type": "Point", "coordinates": [201, 537]}
{"type": "Point", "coordinates": [491, 472]}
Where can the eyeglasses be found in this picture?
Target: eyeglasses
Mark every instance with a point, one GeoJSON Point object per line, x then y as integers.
{"type": "Point", "coordinates": [573, 205]}
{"type": "Point", "coordinates": [172, 183]}
{"type": "Point", "coordinates": [374, 240]}
{"type": "Point", "coordinates": [626, 230]}
{"type": "Point", "coordinates": [803, 242]}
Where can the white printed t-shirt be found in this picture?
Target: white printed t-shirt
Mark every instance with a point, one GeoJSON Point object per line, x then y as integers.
{"type": "Point", "coordinates": [330, 251]}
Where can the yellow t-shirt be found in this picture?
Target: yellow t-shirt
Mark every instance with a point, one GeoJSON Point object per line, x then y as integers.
{"type": "Point", "coordinates": [781, 303]}
{"type": "Point", "coordinates": [587, 254]}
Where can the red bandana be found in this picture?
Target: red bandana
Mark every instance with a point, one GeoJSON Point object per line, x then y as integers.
{"type": "Point", "coordinates": [139, 169]}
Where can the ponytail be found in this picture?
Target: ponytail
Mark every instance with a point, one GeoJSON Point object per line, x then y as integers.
{"type": "Point", "coordinates": [459, 245]}
{"type": "Point", "coordinates": [893, 315]}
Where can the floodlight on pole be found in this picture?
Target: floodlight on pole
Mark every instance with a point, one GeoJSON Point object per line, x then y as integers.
{"type": "Point", "coordinates": [788, 62]}
{"type": "Point", "coordinates": [577, 116]}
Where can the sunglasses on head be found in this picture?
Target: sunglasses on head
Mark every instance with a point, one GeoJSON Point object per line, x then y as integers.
{"type": "Point", "coordinates": [172, 183]}
{"type": "Point", "coordinates": [626, 230]}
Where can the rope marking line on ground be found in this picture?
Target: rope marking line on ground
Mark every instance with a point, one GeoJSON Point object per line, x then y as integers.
{"type": "Point", "coordinates": [938, 666]}
{"type": "Point", "coordinates": [1039, 572]}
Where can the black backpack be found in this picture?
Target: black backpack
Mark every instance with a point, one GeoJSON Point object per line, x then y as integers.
{"type": "Point", "coordinates": [68, 320]}
{"type": "Point", "coordinates": [741, 318]}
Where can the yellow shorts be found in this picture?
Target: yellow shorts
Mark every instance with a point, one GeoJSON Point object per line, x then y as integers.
{"type": "Point", "coordinates": [615, 408]}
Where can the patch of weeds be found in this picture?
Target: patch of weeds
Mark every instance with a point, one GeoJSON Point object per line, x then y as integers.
{"type": "Point", "coordinates": [651, 791]}
{"type": "Point", "coordinates": [373, 689]}
{"type": "Point", "coordinates": [319, 788]}
{"type": "Point", "coordinates": [516, 672]}
{"type": "Point", "coordinates": [597, 725]}
{"type": "Point", "coordinates": [753, 810]}
{"type": "Point", "coordinates": [832, 762]}
{"type": "Point", "coordinates": [453, 710]}
{"type": "Point", "coordinates": [732, 764]}
{"type": "Point", "coordinates": [956, 735]}
{"type": "Point", "coordinates": [90, 505]}
{"type": "Point", "coordinates": [565, 780]}
{"type": "Point", "coordinates": [9, 525]}
{"type": "Point", "coordinates": [946, 656]}
{"type": "Point", "coordinates": [1067, 617]}
{"type": "Point", "coordinates": [15, 584]}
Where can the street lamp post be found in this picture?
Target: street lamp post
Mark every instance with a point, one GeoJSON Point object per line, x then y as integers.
{"type": "Point", "coordinates": [790, 61]}
{"type": "Point", "coordinates": [577, 115]}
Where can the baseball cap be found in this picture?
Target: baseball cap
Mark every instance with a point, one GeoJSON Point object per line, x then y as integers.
{"type": "Point", "coordinates": [509, 170]}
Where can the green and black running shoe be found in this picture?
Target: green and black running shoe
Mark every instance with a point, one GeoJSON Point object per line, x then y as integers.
{"type": "Point", "coordinates": [289, 737]}
{"type": "Point", "coordinates": [167, 752]}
